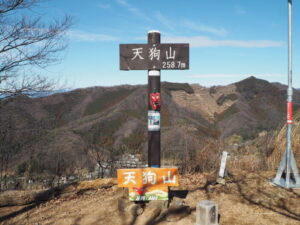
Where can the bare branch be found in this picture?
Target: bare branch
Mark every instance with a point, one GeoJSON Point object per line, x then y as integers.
{"type": "Point", "coordinates": [25, 43]}
{"type": "Point", "coordinates": [11, 5]}
{"type": "Point", "coordinates": [29, 85]}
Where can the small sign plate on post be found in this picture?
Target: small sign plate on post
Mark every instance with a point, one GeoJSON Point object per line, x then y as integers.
{"type": "Point", "coordinates": [154, 56]}
{"type": "Point", "coordinates": [153, 120]}
{"type": "Point", "coordinates": [148, 183]}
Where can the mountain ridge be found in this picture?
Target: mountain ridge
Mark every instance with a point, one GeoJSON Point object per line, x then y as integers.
{"type": "Point", "coordinates": [63, 126]}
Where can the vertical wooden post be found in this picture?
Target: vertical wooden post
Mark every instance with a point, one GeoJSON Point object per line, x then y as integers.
{"type": "Point", "coordinates": [153, 114]}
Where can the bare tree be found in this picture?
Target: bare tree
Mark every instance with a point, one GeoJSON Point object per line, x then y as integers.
{"type": "Point", "coordinates": [100, 155]}
{"type": "Point", "coordinates": [8, 147]}
{"type": "Point", "coordinates": [27, 43]}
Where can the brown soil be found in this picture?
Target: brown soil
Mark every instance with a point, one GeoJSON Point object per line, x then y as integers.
{"type": "Point", "coordinates": [244, 199]}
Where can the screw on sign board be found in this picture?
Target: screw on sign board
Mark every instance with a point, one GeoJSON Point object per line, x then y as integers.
{"type": "Point", "coordinates": [148, 183]}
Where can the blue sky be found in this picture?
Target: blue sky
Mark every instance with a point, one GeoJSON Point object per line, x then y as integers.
{"type": "Point", "coordinates": [229, 40]}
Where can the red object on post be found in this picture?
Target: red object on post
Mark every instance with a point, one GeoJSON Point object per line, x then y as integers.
{"type": "Point", "coordinates": [289, 112]}
{"type": "Point", "coordinates": [155, 100]}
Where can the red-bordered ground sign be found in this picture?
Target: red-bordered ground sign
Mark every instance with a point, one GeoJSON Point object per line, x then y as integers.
{"type": "Point", "coordinates": [148, 183]}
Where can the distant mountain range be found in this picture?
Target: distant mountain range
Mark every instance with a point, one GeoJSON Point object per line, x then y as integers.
{"type": "Point", "coordinates": [62, 125]}
{"type": "Point", "coordinates": [38, 94]}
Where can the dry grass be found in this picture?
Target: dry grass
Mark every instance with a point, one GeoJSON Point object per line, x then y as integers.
{"type": "Point", "coordinates": [248, 163]}
{"type": "Point", "coordinates": [205, 158]}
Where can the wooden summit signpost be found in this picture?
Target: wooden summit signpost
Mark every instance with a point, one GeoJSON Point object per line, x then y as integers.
{"type": "Point", "coordinates": [152, 183]}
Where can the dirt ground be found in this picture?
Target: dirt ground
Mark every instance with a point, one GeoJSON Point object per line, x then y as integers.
{"type": "Point", "coordinates": [245, 199]}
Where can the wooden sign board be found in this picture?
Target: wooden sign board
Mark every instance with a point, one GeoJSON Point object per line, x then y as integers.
{"type": "Point", "coordinates": [148, 183]}
{"type": "Point", "coordinates": [154, 56]}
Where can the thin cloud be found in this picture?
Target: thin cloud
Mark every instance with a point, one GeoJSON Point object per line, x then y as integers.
{"type": "Point", "coordinates": [90, 37]}
{"type": "Point", "coordinates": [204, 41]}
{"type": "Point", "coordinates": [203, 28]}
{"type": "Point", "coordinates": [103, 5]}
{"type": "Point", "coordinates": [239, 10]}
{"type": "Point", "coordinates": [135, 11]}
{"type": "Point", "coordinates": [244, 75]}
{"type": "Point", "coordinates": [164, 20]}
{"type": "Point", "coordinates": [123, 2]}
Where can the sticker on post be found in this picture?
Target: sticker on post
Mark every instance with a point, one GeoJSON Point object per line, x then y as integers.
{"type": "Point", "coordinates": [153, 120]}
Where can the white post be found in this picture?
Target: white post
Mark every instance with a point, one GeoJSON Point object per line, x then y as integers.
{"type": "Point", "coordinates": [223, 164]}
